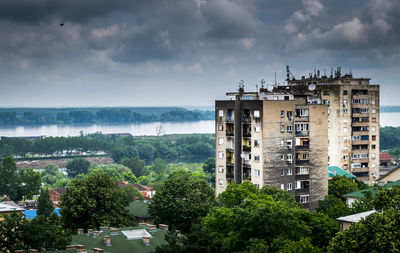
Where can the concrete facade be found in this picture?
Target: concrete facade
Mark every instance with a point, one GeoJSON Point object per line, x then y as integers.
{"type": "Point", "coordinates": [353, 119]}
{"type": "Point", "coordinates": [275, 139]}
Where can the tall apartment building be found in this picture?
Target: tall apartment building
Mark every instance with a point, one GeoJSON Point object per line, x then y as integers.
{"type": "Point", "coordinates": [353, 118]}
{"type": "Point", "coordinates": [273, 138]}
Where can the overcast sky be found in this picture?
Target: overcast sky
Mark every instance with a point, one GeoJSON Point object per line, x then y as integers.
{"type": "Point", "coordinates": [186, 52]}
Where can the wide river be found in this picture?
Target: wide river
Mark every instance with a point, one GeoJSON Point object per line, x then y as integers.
{"type": "Point", "coordinates": [205, 126]}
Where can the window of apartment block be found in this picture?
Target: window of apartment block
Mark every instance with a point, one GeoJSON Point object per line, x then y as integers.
{"type": "Point", "coordinates": [326, 102]}
{"type": "Point", "coordinates": [304, 198]}
{"type": "Point", "coordinates": [256, 114]}
{"type": "Point", "coordinates": [282, 186]}
{"type": "Point", "coordinates": [373, 101]}
{"type": "Point", "coordinates": [345, 129]}
{"type": "Point", "coordinates": [301, 112]}
{"type": "Point", "coordinates": [301, 127]}
{"type": "Point", "coordinates": [289, 172]}
{"type": "Point", "coordinates": [373, 146]}
{"type": "Point", "coordinates": [256, 158]}
{"type": "Point", "coordinates": [345, 101]}
{"type": "Point", "coordinates": [220, 128]}
{"type": "Point", "coordinates": [257, 129]}
{"type": "Point", "coordinates": [374, 137]}
{"type": "Point", "coordinates": [289, 158]}
{"type": "Point", "coordinates": [221, 113]}
{"type": "Point", "coordinates": [220, 154]}
{"type": "Point", "coordinates": [345, 120]}
{"type": "Point", "coordinates": [373, 120]}
{"type": "Point", "coordinates": [289, 186]}
{"type": "Point", "coordinates": [282, 128]}
{"type": "Point", "coordinates": [257, 173]}
{"type": "Point", "coordinates": [345, 111]}
{"type": "Point", "coordinates": [220, 182]}
{"type": "Point", "coordinates": [302, 170]}
{"type": "Point", "coordinates": [275, 97]}
{"type": "Point", "coordinates": [373, 165]}
{"type": "Point", "coordinates": [282, 172]}
{"type": "Point", "coordinates": [282, 143]}
{"type": "Point", "coordinates": [282, 113]}
{"type": "Point", "coordinates": [256, 143]}
{"type": "Point", "coordinates": [373, 129]}
{"type": "Point", "coordinates": [373, 110]}
{"type": "Point", "coordinates": [345, 157]}
{"type": "Point", "coordinates": [345, 139]}
{"type": "Point", "coordinates": [345, 92]}
{"type": "Point", "coordinates": [373, 155]}
{"type": "Point", "coordinates": [329, 111]}
{"type": "Point", "coordinates": [345, 148]}
{"type": "Point", "coordinates": [289, 144]}
{"type": "Point", "coordinates": [326, 93]}
{"type": "Point", "coordinates": [289, 128]}
{"type": "Point", "coordinates": [345, 166]}
{"type": "Point", "coordinates": [220, 169]}
{"type": "Point", "coordinates": [282, 157]}
{"type": "Point", "coordinates": [289, 114]}
{"type": "Point", "coordinates": [220, 141]}
{"type": "Point", "coordinates": [257, 185]}
{"type": "Point", "coordinates": [298, 185]}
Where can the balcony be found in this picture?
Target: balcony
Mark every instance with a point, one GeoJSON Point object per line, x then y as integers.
{"type": "Point", "coordinates": [302, 177]}
{"type": "Point", "coordinates": [230, 176]}
{"type": "Point", "coordinates": [302, 191]}
{"type": "Point", "coordinates": [302, 162]}
{"type": "Point", "coordinates": [359, 124]}
{"type": "Point", "coordinates": [246, 163]}
{"type": "Point", "coordinates": [360, 105]}
{"type": "Point", "coordinates": [302, 133]}
{"type": "Point", "coordinates": [360, 115]}
{"type": "Point", "coordinates": [303, 147]}
{"type": "Point", "coordinates": [229, 133]}
{"type": "Point", "coordinates": [302, 119]}
{"type": "Point", "coordinates": [246, 134]}
{"type": "Point", "coordinates": [246, 148]}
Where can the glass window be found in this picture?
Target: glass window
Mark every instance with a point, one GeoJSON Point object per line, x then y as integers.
{"type": "Point", "coordinates": [282, 128]}
{"type": "Point", "coordinates": [289, 128]}
{"type": "Point", "coordinates": [221, 182]}
{"type": "Point", "coordinates": [221, 113]}
{"type": "Point", "coordinates": [282, 113]}
{"type": "Point", "coordinates": [373, 110]}
{"type": "Point", "coordinates": [220, 141]}
{"type": "Point", "coordinates": [220, 128]}
{"type": "Point", "coordinates": [289, 172]}
{"type": "Point", "coordinates": [220, 154]}
{"type": "Point", "coordinates": [345, 92]}
{"type": "Point", "coordinates": [256, 114]}
{"type": "Point", "coordinates": [282, 186]}
{"type": "Point", "coordinates": [220, 169]}
{"type": "Point", "coordinates": [256, 173]}
{"type": "Point", "coordinates": [289, 186]}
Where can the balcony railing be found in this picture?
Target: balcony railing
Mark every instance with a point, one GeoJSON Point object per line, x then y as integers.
{"type": "Point", "coordinates": [229, 133]}
{"type": "Point", "coordinates": [301, 133]}
{"type": "Point", "coordinates": [300, 162]}
{"type": "Point", "coordinates": [303, 147]}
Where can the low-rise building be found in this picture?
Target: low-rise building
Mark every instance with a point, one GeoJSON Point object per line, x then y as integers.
{"type": "Point", "coordinates": [55, 195]}
{"type": "Point", "coordinates": [9, 209]}
{"type": "Point", "coordinates": [391, 176]}
{"type": "Point", "coordinates": [346, 221]}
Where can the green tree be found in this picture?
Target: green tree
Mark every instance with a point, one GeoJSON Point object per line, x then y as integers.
{"type": "Point", "coordinates": [11, 180]}
{"type": "Point", "coordinates": [379, 232]}
{"type": "Point", "coordinates": [339, 186]}
{"type": "Point", "coordinates": [132, 192]}
{"type": "Point", "coordinates": [302, 246]}
{"type": "Point", "coordinates": [182, 200]}
{"type": "Point", "coordinates": [45, 233]}
{"type": "Point", "coordinates": [388, 199]}
{"type": "Point", "coordinates": [93, 201]}
{"type": "Point", "coordinates": [136, 165]}
{"type": "Point", "coordinates": [209, 165]}
{"type": "Point", "coordinates": [11, 234]}
{"type": "Point", "coordinates": [77, 166]}
{"type": "Point", "coordinates": [45, 205]}
{"type": "Point", "coordinates": [333, 206]}
{"type": "Point", "coordinates": [159, 166]}
{"type": "Point", "coordinates": [32, 183]}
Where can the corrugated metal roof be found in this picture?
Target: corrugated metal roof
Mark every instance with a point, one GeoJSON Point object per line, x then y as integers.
{"type": "Point", "coordinates": [9, 208]}
{"type": "Point", "coordinates": [355, 217]}
{"type": "Point", "coordinates": [337, 171]}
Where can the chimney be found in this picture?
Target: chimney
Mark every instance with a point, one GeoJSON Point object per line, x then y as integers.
{"type": "Point", "coordinates": [107, 240]}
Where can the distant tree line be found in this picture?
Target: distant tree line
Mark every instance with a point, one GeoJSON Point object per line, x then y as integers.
{"type": "Point", "coordinates": [188, 148]}
{"type": "Point", "coordinates": [389, 137]}
{"type": "Point", "coordinates": [110, 115]}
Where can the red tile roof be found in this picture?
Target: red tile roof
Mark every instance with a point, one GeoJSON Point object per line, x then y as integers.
{"type": "Point", "coordinates": [385, 156]}
{"type": "Point", "coordinates": [60, 191]}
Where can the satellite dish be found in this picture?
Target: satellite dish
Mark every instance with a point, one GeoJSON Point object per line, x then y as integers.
{"type": "Point", "coordinates": [311, 86]}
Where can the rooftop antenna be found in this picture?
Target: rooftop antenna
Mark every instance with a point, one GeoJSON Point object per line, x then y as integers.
{"type": "Point", "coordinates": [241, 86]}
{"type": "Point", "coordinates": [262, 83]}
{"type": "Point", "coordinates": [288, 74]}
{"type": "Point", "coordinates": [275, 80]}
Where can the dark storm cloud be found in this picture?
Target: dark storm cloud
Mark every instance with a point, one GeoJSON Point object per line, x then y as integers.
{"type": "Point", "coordinates": [186, 44]}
